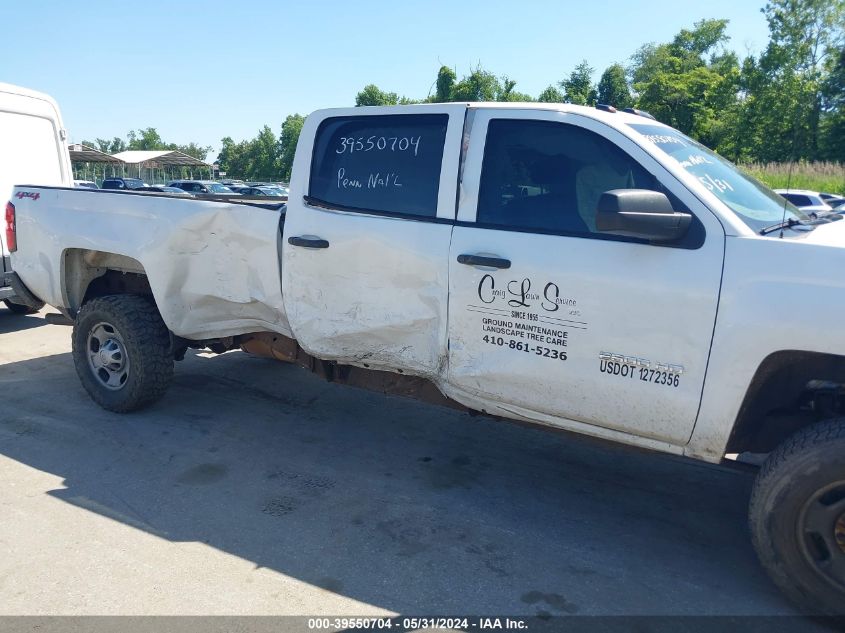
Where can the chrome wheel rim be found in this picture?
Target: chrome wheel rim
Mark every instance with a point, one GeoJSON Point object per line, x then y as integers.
{"type": "Point", "coordinates": [107, 357]}
{"type": "Point", "coordinates": [822, 533]}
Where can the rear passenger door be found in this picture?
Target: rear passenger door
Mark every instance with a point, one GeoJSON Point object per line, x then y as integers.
{"type": "Point", "coordinates": [551, 320]}
{"type": "Point", "coordinates": [367, 232]}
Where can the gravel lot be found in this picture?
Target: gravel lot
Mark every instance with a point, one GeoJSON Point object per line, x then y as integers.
{"type": "Point", "coordinates": [256, 488]}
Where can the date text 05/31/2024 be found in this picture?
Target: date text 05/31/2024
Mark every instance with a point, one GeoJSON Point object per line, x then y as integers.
{"type": "Point", "coordinates": [417, 623]}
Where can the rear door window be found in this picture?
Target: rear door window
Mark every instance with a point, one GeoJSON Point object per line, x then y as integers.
{"type": "Point", "coordinates": [386, 164]}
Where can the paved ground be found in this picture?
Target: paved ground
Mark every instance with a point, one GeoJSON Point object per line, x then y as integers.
{"type": "Point", "coordinates": [255, 488]}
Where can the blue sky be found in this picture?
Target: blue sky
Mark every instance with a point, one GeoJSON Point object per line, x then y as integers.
{"type": "Point", "coordinates": [199, 71]}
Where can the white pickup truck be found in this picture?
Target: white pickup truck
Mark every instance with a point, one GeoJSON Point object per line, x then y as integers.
{"type": "Point", "coordinates": [585, 269]}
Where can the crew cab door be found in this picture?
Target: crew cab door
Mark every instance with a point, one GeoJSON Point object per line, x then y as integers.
{"type": "Point", "coordinates": [367, 232]}
{"type": "Point", "coordinates": [553, 321]}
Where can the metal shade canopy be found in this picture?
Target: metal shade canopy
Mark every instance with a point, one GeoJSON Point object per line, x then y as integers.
{"type": "Point", "coordinates": [85, 154]}
{"type": "Point", "coordinates": [150, 165]}
{"type": "Point", "coordinates": [162, 158]}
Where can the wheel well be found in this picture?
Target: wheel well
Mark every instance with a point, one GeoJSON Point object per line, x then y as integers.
{"type": "Point", "coordinates": [88, 274]}
{"type": "Point", "coordinates": [790, 390]}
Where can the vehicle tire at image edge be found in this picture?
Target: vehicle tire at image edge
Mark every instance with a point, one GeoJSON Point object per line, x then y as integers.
{"type": "Point", "coordinates": [122, 353]}
{"type": "Point", "coordinates": [797, 517]}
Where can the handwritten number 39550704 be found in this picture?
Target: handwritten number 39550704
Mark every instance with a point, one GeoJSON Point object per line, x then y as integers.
{"type": "Point", "coordinates": [350, 145]}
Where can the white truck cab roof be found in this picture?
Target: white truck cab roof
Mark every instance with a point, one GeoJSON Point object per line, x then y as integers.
{"type": "Point", "coordinates": [807, 200]}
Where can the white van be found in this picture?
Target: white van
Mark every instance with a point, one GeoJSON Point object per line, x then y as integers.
{"type": "Point", "coordinates": [32, 151]}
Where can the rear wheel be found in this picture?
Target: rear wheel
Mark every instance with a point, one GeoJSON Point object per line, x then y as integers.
{"type": "Point", "coordinates": [122, 352]}
{"type": "Point", "coordinates": [21, 308]}
{"type": "Point", "coordinates": [797, 517]}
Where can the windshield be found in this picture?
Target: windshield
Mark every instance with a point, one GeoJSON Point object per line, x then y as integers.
{"type": "Point", "coordinates": [755, 204]}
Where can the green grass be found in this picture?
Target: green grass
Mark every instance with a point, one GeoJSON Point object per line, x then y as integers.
{"type": "Point", "coordinates": [818, 176]}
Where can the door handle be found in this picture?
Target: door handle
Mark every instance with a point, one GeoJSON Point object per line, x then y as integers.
{"type": "Point", "coordinates": [308, 242]}
{"type": "Point", "coordinates": [481, 260]}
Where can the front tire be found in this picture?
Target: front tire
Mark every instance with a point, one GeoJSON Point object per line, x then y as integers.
{"type": "Point", "coordinates": [21, 308]}
{"type": "Point", "coordinates": [797, 518]}
{"type": "Point", "coordinates": [122, 352]}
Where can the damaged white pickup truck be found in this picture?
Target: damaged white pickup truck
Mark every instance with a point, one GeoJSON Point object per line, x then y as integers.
{"type": "Point", "coordinates": [586, 269]}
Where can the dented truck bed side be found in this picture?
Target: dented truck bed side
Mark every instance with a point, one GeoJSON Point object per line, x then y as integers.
{"type": "Point", "coordinates": [212, 267]}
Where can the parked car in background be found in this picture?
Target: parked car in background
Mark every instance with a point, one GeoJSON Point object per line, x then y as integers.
{"type": "Point", "coordinates": [247, 191]}
{"type": "Point", "coordinates": [85, 184]}
{"type": "Point", "coordinates": [164, 189]}
{"type": "Point", "coordinates": [809, 202]}
{"type": "Point", "coordinates": [123, 183]}
{"type": "Point", "coordinates": [203, 187]}
{"type": "Point", "coordinates": [276, 189]}
{"type": "Point", "coordinates": [833, 199]}
{"type": "Point", "coordinates": [258, 191]}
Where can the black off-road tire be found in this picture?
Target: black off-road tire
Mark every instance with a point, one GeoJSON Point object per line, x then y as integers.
{"type": "Point", "coordinates": [145, 341]}
{"type": "Point", "coordinates": [801, 480]}
{"type": "Point", "coordinates": [21, 308]}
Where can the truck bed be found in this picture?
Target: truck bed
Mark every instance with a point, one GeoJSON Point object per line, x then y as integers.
{"type": "Point", "coordinates": [213, 265]}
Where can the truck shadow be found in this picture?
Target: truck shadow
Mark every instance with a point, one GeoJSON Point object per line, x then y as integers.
{"type": "Point", "coordinates": [408, 507]}
{"type": "Point", "coordinates": [11, 322]}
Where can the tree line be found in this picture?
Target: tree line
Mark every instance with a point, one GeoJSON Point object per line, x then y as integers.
{"type": "Point", "coordinates": [786, 104]}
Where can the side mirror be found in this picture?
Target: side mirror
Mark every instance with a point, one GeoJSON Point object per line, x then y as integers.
{"type": "Point", "coordinates": [640, 213]}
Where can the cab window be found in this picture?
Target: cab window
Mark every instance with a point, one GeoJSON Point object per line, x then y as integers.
{"type": "Point", "coordinates": [547, 177]}
{"type": "Point", "coordinates": [385, 164]}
